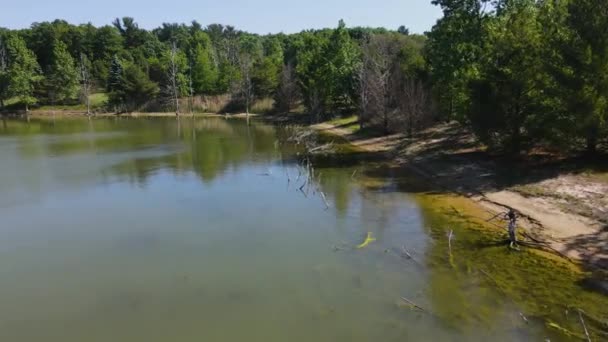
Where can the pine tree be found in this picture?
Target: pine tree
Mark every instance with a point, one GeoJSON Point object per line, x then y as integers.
{"type": "Point", "coordinates": [23, 71]}
{"type": "Point", "coordinates": [62, 78]}
{"type": "Point", "coordinates": [137, 87]}
{"type": "Point", "coordinates": [583, 68]}
{"type": "Point", "coordinates": [116, 85]}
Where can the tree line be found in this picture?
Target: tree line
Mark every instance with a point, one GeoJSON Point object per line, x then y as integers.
{"type": "Point", "coordinates": [519, 73]}
{"type": "Point", "coordinates": [523, 72]}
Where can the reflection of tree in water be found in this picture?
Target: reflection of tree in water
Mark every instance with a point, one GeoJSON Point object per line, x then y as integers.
{"type": "Point", "coordinates": [137, 148]}
{"type": "Point", "coordinates": [336, 184]}
{"type": "Point", "coordinates": [209, 148]}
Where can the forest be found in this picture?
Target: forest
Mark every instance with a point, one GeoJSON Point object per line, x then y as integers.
{"type": "Point", "coordinates": [520, 74]}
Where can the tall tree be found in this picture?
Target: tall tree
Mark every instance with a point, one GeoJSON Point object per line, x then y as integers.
{"type": "Point", "coordinates": [62, 76]}
{"type": "Point", "coordinates": [581, 68]}
{"type": "Point", "coordinates": [85, 81]}
{"type": "Point", "coordinates": [245, 86]}
{"type": "Point", "coordinates": [23, 71]}
{"type": "Point", "coordinates": [173, 77]}
{"type": "Point", "coordinates": [204, 71]}
{"type": "Point", "coordinates": [116, 85]}
{"type": "Point", "coordinates": [506, 101]}
{"type": "Point", "coordinates": [4, 74]}
{"type": "Point", "coordinates": [454, 50]}
{"type": "Point", "coordinates": [287, 92]}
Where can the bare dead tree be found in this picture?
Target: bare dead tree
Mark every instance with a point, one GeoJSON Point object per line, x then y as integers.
{"type": "Point", "coordinates": [288, 92]}
{"type": "Point", "coordinates": [364, 93]}
{"type": "Point", "coordinates": [414, 103]}
{"type": "Point", "coordinates": [316, 105]}
{"type": "Point", "coordinates": [375, 80]}
{"type": "Point", "coordinates": [190, 89]}
{"type": "Point", "coordinates": [85, 82]}
{"type": "Point", "coordinates": [173, 72]}
{"type": "Point", "coordinates": [246, 86]}
{"type": "Point", "coordinates": [390, 97]}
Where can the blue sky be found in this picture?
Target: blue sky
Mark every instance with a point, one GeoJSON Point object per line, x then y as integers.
{"type": "Point", "coordinates": [260, 16]}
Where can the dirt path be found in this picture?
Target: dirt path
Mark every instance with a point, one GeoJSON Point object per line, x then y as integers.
{"type": "Point", "coordinates": [568, 213]}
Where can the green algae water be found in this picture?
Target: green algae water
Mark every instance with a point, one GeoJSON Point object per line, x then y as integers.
{"type": "Point", "coordinates": [206, 230]}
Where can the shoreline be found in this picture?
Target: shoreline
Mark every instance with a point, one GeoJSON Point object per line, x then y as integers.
{"type": "Point", "coordinates": [543, 225]}
{"type": "Point", "coordinates": [80, 114]}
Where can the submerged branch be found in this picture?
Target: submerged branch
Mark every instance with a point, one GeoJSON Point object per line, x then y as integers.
{"type": "Point", "coordinates": [580, 315]}
{"type": "Point", "coordinates": [414, 305]}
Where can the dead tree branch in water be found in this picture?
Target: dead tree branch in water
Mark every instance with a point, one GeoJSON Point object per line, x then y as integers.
{"type": "Point", "coordinates": [324, 200]}
{"type": "Point", "coordinates": [580, 315]}
{"type": "Point", "coordinates": [413, 304]}
{"type": "Point", "coordinates": [407, 253]}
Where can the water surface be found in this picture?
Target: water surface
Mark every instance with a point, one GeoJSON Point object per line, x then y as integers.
{"type": "Point", "coordinates": [197, 230]}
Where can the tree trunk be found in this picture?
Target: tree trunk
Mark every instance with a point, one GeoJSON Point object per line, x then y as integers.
{"type": "Point", "coordinates": [591, 144]}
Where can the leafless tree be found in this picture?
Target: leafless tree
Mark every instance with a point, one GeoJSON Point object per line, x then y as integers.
{"type": "Point", "coordinates": [375, 80]}
{"type": "Point", "coordinates": [190, 89]}
{"type": "Point", "coordinates": [173, 74]}
{"type": "Point", "coordinates": [288, 92]}
{"type": "Point", "coordinates": [390, 98]}
{"type": "Point", "coordinates": [246, 85]}
{"type": "Point", "coordinates": [85, 82]}
{"type": "Point", "coordinates": [414, 104]}
{"type": "Point", "coordinates": [316, 106]}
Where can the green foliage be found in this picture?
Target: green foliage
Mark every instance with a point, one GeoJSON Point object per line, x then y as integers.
{"type": "Point", "coordinates": [4, 74]}
{"type": "Point", "coordinates": [523, 72]}
{"type": "Point", "coordinates": [128, 86]}
{"type": "Point", "coordinates": [116, 84]}
{"type": "Point", "coordinates": [62, 77]}
{"type": "Point", "coordinates": [138, 88]}
{"type": "Point", "coordinates": [578, 45]}
{"type": "Point", "coordinates": [204, 71]}
{"type": "Point", "coordinates": [506, 108]}
{"type": "Point", "coordinates": [326, 68]}
{"type": "Point", "coordinates": [454, 50]}
{"type": "Point", "coordinates": [23, 72]}
{"type": "Point", "coordinates": [518, 72]}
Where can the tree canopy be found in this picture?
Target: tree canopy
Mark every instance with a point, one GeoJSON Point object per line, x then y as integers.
{"type": "Point", "coordinates": [519, 73]}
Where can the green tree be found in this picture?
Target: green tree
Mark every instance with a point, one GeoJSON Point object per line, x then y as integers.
{"type": "Point", "coordinates": [327, 62]}
{"type": "Point", "coordinates": [63, 76]}
{"type": "Point", "coordinates": [23, 71]}
{"type": "Point", "coordinates": [507, 100]}
{"type": "Point", "coordinates": [580, 65]}
{"type": "Point", "coordinates": [454, 51]}
{"type": "Point", "coordinates": [138, 88]}
{"type": "Point", "coordinates": [4, 74]}
{"type": "Point", "coordinates": [344, 58]}
{"type": "Point", "coordinates": [268, 68]}
{"type": "Point", "coordinates": [116, 84]}
{"type": "Point", "coordinates": [204, 71]}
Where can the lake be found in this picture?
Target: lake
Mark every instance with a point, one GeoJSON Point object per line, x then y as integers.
{"type": "Point", "coordinates": [208, 230]}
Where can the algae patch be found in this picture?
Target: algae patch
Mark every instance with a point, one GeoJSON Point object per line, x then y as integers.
{"type": "Point", "coordinates": [534, 283]}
